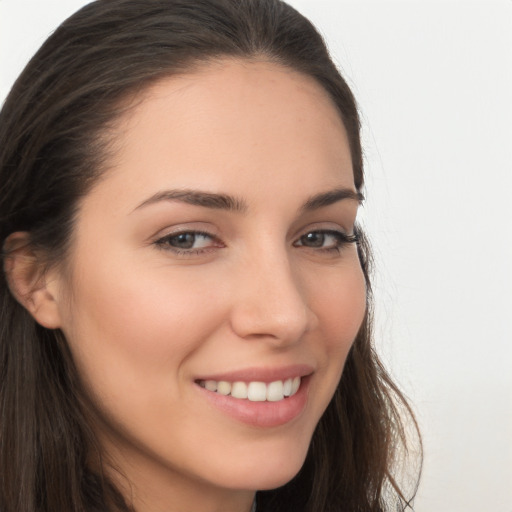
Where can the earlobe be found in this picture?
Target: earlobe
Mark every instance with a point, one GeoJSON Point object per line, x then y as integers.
{"type": "Point", "coordinates": [29, 282]}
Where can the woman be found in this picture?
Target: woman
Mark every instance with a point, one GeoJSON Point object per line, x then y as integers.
{"type": "Point", "coordinates": [186, 313]}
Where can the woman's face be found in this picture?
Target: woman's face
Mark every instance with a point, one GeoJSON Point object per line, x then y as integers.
{"type": "Point", "coordinates": [215, 256]}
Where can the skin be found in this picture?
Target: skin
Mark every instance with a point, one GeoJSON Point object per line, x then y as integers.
{"type": "Point", "coordinates": [144, 322]}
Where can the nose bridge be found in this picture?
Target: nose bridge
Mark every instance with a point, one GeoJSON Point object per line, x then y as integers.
{"type": "Point", "coordinates": [271, 300]}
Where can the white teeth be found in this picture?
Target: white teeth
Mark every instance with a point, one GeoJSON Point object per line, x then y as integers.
{"type": "Point", "coordinates": [257, 391]}
{"type": "Point", "coordinates": [254, 391]}
{"type": "Point", "coordinates": [239, 390]}
{"type": "Point", "coordinates": [275, 391]}
{"type": "Point", "coordinates": [287, 387]}
{"type": "Point", "coordinates": [210, 385]}
{"type": "Point", "coordinates": [295, 385]}
{"type": "Point", "coordinates": [223, 387]}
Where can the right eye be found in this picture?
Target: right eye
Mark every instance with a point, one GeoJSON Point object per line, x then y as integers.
{"type": "Point", "coordinates": [188, 242]}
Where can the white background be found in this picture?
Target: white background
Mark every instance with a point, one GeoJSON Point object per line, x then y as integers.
{"type": "Point", "coordinates": [434, 81]}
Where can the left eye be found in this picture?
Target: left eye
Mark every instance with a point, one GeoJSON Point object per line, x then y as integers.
{"type": "Point", "coordinates": [188, 240]}
{"type": "Point", "coordinates": [325, 239]}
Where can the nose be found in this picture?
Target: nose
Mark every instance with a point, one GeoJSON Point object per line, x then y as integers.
{"type": "Point", "coordinates": [270, 301]}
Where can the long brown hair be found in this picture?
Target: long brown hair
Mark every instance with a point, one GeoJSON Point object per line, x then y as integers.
{"type": "Point", "coordinates": [54, 140]}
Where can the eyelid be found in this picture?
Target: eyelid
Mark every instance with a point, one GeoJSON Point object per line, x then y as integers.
{"type": "Point", "coordinates": [346, 237]}
{"type": "Point", "coordinates": [203, 228]}
{"type": "Point", "coordinates": [347, 229]}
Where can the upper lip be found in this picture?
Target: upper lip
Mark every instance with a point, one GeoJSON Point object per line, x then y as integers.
{"type": "Point", "coordinates": [261, 374]}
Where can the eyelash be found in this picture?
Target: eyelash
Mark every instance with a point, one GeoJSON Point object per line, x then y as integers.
{"type": "Point", "coordinates": [164, 243]}
{"type": "Point", "coordinates": [342, 240]}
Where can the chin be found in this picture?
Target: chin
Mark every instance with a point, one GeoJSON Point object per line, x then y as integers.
{"type": "Point", "coordinates": [270, 470]}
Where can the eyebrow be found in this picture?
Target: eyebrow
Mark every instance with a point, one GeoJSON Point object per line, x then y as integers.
{"type": "Point", "coordinates": [231, 203]}
{"type": "Point", "coordinates": [198, 198]}
{"type": "Point", "coordinates": [332, 196]}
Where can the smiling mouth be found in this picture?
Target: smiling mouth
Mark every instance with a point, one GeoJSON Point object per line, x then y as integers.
{"type": "Point", "coordinates": [254, 391]}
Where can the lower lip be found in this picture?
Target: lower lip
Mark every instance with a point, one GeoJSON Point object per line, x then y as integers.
{"type": "Point", "coordinates": [260, 414]}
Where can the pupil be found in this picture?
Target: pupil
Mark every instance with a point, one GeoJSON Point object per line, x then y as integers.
{"type": "Point", "coordinates": [313, 239]}
{"type": "Point", "coordinates": [183, 241]}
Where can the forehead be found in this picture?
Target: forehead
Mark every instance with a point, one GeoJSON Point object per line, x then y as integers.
{"type": "Point", "coordinates": [233, 124]}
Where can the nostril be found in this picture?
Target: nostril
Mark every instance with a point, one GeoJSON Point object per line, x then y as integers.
{"type": "Point", "coordinates": [279, 323]}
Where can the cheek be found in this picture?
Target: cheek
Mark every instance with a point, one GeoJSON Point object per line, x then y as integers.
{"type": "Point", "coordinates": [128, 330]}
{"type": "Point", "coordinates": [340, 306]}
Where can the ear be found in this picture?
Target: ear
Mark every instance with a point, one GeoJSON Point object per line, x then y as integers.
{"type": "Point", "coordinates": [28, 281]}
